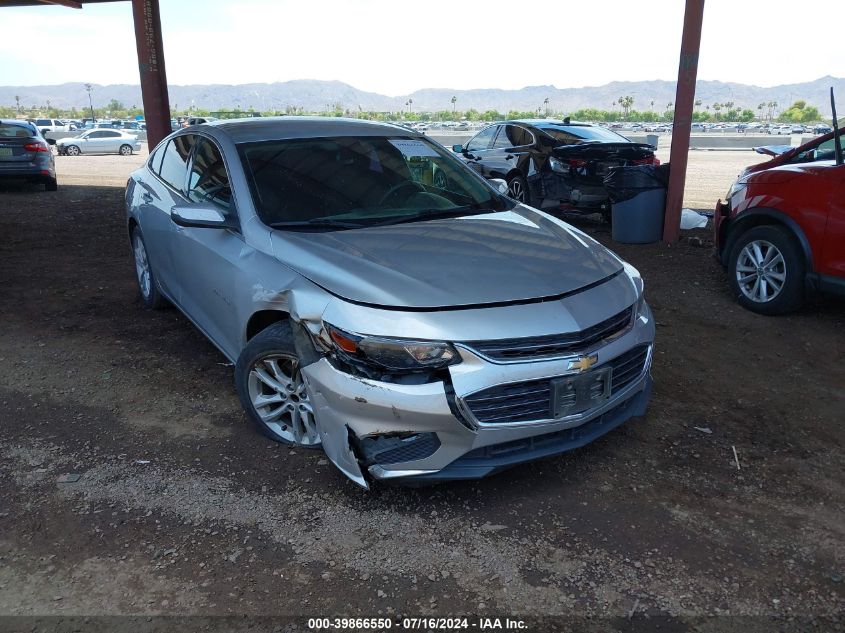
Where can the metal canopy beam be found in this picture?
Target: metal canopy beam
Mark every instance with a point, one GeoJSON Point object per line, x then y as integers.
{"type": "Point", "coordinates": [151, 67]}
{"type": "Point", "coordinates": [684, 102]}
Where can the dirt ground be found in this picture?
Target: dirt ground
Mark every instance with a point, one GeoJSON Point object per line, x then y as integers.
{"type": "Point", "coordinates": [181, 508]}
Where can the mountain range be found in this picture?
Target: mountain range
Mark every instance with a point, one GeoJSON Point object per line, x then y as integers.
{"type": "Point", "coordinates": [315, 95]}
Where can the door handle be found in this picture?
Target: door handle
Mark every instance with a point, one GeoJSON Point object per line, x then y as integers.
{"type": "Point", "coordinates": [146, 197]}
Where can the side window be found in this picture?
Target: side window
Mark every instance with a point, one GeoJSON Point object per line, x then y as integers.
{"type": "Point", "coordinates": [208, 180]}
{"type": "Point", "coordinates": [155, 160]}
{"type": "Point", "coordinates": [481, 141]}
{"type": "Point", "coordinates": [520, 136]}
{"type": "Point", "coordinates": [111, 134]}
{"type": "Point", "coordinates": [96, 135]}
{"type": "Point", "coordinates": [507, 137]}
{"type": "Point", "coordinates": [174, 162]}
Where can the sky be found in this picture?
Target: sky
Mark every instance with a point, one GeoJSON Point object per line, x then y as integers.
{"type": "Point", "coordinates": [394, 48]}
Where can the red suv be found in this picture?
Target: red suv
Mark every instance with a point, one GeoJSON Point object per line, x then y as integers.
{"type": "Point", "coordinates": [781, 232]}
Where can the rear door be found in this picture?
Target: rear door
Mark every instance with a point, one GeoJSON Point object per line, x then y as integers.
{"type": "Point", "coordinates": [833, 254]}
{"type": "Point", "coordinates": [162, 187]}
{"type": "Point", "coordinates": [110, 141]}
{"type": "Point", "coordinates": [509, 150]}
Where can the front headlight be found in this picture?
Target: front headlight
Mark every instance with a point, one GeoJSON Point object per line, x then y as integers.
{"type": "Point", "coordinates": [392, 354]}
{"type": "Point", "coordinates": [639, 286]}
{"type": "Point", "coordinates": [737, 187]}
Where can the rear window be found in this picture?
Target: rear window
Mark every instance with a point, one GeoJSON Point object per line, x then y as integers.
{"type": "Point", "coordinates": [578, 134]}
{"type": "Point", "coordinates": [8, 130]}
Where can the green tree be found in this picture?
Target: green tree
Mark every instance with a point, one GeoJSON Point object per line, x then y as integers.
{"type": "Point", "coordinates": [626, 102]}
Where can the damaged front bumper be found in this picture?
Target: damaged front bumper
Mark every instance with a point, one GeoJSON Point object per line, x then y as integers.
{"type": "Point", "coordinates": [436, 431]}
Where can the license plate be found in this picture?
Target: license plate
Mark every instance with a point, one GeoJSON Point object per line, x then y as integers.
{"type": "Point", "coordinates": [576, 394]}
{"type": "Point", "coordinates": [5, 151]}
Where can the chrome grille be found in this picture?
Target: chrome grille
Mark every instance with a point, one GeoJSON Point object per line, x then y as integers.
{"type": "Point", "coordinates": [538, 347]}
{"type": "Point", "coordinates": [532, 399]}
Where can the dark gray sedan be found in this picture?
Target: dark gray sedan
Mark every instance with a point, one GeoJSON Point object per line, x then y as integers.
{"type": "Point", "coordinates": [25, 154]}
{"type": "Point", "coordinates": [383, 301]}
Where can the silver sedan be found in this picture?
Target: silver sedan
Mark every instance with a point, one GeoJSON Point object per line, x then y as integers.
{"type": "Point", "coordinates": [382, 301]}
{"type": "Point", "coordinates": [99, 141]}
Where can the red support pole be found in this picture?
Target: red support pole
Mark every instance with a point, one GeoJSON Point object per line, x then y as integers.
{"type": "Point", "coordinates": [151, 66]}
{"type": "Point", "coordinates": [684, 101]}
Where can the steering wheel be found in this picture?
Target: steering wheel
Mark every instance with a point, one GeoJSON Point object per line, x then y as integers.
{"type": "Point", "coordinates": [398, 187]}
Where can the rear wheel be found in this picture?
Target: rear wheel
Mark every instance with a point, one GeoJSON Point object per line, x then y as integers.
{"type": "Point", "coordinates": [147, 285]}
{"type": "Point", "coordinates": [125, 150]}
{"type": "Point", "coordinates": [72, 150]}
{"type": "Point", "coordinates": [518, 189]}
{"type": "Point", "coordinates": [766, 271]}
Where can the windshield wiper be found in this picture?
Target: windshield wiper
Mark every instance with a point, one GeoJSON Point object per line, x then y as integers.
{"type": "Point", "coordinates": [317, 223]}
{"type": "Point", "coordinates": [433, 214]}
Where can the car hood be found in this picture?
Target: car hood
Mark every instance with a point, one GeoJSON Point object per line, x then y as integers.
{"type": "Point", "coordinates": [492, 258]}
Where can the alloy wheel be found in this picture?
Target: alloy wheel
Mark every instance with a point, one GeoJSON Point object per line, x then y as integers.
{"type": "Point", "coordinates": [142, 265]}
{"type": "Point", "coordinates": [516, 190]}
{"type": "Point", "coordinates": [279, 395]}
{"type": "Point", "coordinates": [760, 271]}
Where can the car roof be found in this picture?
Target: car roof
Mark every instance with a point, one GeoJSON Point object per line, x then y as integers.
{"type": "Point", "coordinates": [289, 127]}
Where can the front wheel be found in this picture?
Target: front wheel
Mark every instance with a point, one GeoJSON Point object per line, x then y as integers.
{"type": "Point", "coordinates": [766, 271]}
{"type": "Point", "coordinates": [125, 150]}
{"type": "Point", "coordinates": [72, 150]}
{"type": "Point", "coordinates": [518, 189]}
{"type": "Point", "coordinates": [272, 389]}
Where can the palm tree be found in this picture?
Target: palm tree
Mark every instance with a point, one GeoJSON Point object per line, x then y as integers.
{"type": "Point", "coordinates": [454, 101]}
{"type": "Point", "coordinates": [546, 103]}
{"type": "Point", "coordinates": [18, 104]}
{"type": "Point", "coordinates": [626, 102]}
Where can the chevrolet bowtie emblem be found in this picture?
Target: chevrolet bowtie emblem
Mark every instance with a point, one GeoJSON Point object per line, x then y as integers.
{"type": "Point", "coordinates": [583, 363]}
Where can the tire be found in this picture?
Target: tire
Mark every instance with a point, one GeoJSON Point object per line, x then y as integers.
{"type": "Point", "coordinates": [51, 185]}
{"type": "Point", "coordinates": [518, 189]}
{"type": "Point", "coordinates": [72, 150]}
{"type": "Point", "coordinates": [268, 370]}
{"type": "Point", "coordinates": [151, 297]}
{"type": "Point", "coordinates": [766, 271]}
{"type": "Point", "coordinates": [125, 150]}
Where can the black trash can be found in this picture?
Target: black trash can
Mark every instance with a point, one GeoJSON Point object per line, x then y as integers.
{"type": "Point", "coordinates": [638, 194]}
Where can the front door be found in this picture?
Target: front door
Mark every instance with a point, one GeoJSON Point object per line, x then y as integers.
{"type": "Point", "coordinates": [212, 262]}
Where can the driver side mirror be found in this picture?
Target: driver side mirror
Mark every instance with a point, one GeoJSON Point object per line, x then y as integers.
{"type": "Point", "coordinates": [457, 148]}
{"type": "Point", "coordinates": [50, 141]}
{"type": "Point", "coordinates": [200, 216]}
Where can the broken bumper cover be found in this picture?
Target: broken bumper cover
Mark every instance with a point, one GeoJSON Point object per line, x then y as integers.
{"type": "Point", "coordinates": [428, 432]}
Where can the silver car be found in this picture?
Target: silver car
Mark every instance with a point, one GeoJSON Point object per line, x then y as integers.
{"type": "Point", "coordinates": [99, 141]}
{"type": "Point", "coordinates": [382, 301]}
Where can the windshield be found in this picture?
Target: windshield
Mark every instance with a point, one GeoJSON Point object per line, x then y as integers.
{"type": "Point", "coordinates": [351, 182]}
{"type": "Point", "coordinates": [574, 134]}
